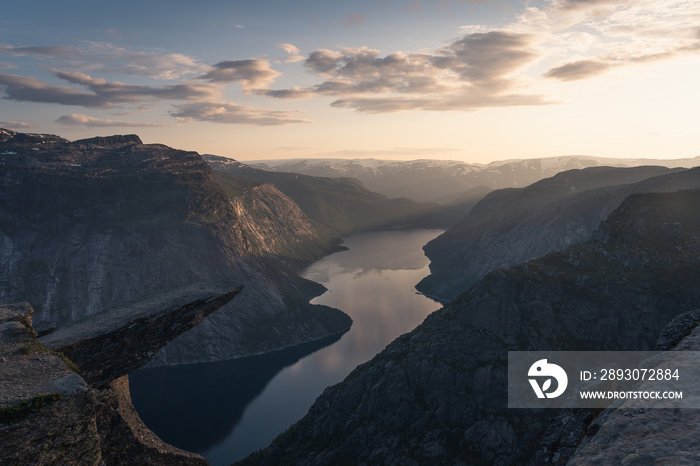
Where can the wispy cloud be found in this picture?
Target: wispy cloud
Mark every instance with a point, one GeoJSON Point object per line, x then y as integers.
{"type": "Point", "coordinates": [7, 66]}
{"type": "Point", "coordinates": [51, 52]}
{"type": "Point", "coordinates": [354, 20]}
{"type": "Point", "coordinates": [581, 69]}
{"type": "Point", "coordinates": [17, 125]}
{"type": "Point", "coordinates": [577, 5]}
{"type": "Point", "coordinates": [293, 51]}
{"type": "Point", "coordinates": [101, 93]}
{"type": "Point", "coordinates": [77, 119]}
{"type": "Point", "coordinates": [464, 102]}
{"type": "Point", "coordinates": [110, 58]}
{"type": "Point", "coordinates": [28, 89]}
{"type": "Point", "coordinates": [117, 92]}
{"type": "Point", "coordinates": [618, 33]}
{"type": "Point", "coordinates": [231, 113]}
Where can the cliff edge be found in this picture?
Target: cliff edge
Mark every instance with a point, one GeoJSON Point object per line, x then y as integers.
{"type": "Point", "coordinates": [56, 409]}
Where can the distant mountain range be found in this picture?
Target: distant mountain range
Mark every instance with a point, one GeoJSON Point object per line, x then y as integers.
{"type": "Point", "coordinates": [444, 180]}
{"type": "Point", "coordinates": [338, 206]}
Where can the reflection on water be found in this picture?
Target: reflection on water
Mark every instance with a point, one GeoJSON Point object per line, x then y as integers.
{"type": "Point", "coordinates": [196, 406]}
{"type": "Point", "coordinates": [227, 410]}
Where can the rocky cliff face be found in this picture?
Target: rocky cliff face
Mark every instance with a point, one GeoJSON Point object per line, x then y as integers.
{"type": "Point", "coordinates": [437, 395]}
{"type": "Point", "coordinates": [275, 222]}
{"type": "Point", "coordinates": [512, 226]}
{"type": "Point", "coordinates": [94, 224]}
{"type": "Point", "coordinates": [54, 410]}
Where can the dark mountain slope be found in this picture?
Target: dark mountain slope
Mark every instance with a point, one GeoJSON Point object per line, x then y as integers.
{"type": "Point", "coordinates": [101, 223]}
{"type": "Point", "coordinates": [515, 225]}
{"type": "Point", "coordinates": [437, 395]}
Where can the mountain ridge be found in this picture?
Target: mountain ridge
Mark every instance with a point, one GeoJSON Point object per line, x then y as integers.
{"type": "Point", "coordinates": [444, 180]}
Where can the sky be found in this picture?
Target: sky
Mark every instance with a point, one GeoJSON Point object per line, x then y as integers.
{"type": "Point", "coordinates": [466, 80]}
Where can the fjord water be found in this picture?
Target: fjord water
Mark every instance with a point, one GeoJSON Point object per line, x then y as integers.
{"type": "Point", "coordinates": [229, 409]}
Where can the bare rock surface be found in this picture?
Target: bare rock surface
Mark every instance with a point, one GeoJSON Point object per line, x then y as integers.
{"type": "Point", "coordinates": [49, 414]}
{"type": "Point", "coordinates": [632, 436]}
{"type": "Point", "coordinates": [119, 341]}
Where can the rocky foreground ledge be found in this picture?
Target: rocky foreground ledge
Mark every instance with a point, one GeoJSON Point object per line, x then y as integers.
{"type": "Point", "coordinates": [60, 410]}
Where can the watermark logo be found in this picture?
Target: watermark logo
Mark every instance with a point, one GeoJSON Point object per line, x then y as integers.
{"type": "Point", "coordinates": [545, 372]}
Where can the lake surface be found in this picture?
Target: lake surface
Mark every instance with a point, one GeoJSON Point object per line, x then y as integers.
{"type": "Point", "coordinates": [227, 410]}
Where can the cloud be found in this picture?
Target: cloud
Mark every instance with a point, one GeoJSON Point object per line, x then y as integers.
{"type": "Point", "coordinates": [27, 89]}
{"type": "Point", "coordinates": [289, 48]}
{"type": "Point", "coordinates": [581, 69]}
{"type": "Point", "coordinates": [231, 113]}
{"type": "Point", "coordinates": [615, 33]}
{"type": "Point", "coordinates": [102, 93]}
{"type": "Point", "coordinates": [291, 93]}
{"type": "Point", "coordinates": [293, 51]}
{"type": "Point", "coordinates": [76, 119]}
{"type": "Point", "coordinates": [6, 66]}
{"type": "Point", "coordinates": [353, 20]}
{"type": "Point", "coordinates": [487, 58]}
{"type": "Point", "coordinates": [463, 102]}
{"type": "Point", "coordinates": [110, 58]}
{"type": "Point", "coordinates": [251, 73]}
{"type": "Point", "coordinates": [16, 125]}
{"type": "Point", "coordinates": [474, 71]}
{"type": "Point", "coordinates": [54, 52]}
{"type": "Point", "coordinates": [577, 5]}
{"type": "Point", "coordinates": [584, 69]}
{"type": "Point", "coordinates": [117, 92]}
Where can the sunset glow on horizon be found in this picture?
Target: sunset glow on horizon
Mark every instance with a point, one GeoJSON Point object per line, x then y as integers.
{"type": "Point", "coordinates": [475, 81]}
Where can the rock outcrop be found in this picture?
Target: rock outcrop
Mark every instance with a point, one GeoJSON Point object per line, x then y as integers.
{"type": "Point", "coordinates": [92, 225]}
{"type": "Point", "coordinates": [512, 226]}
{"type": "Point", "coordinates": [629, 435]}
{"type": "Point", "coordinates": [117, 342]}
{"type": "Point", "coordinates": [55, 411]}
{"type": "Point", "coordinates": [437, 395]}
